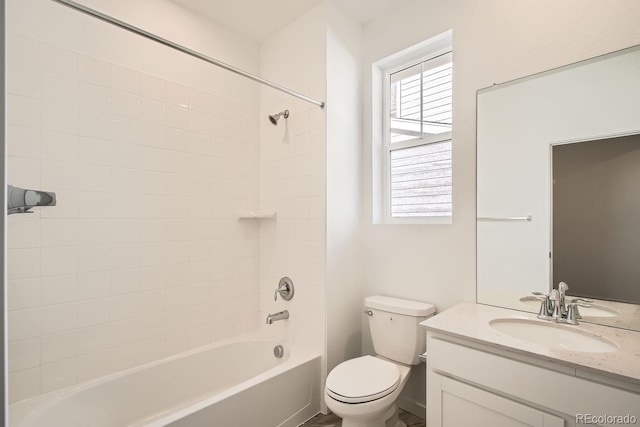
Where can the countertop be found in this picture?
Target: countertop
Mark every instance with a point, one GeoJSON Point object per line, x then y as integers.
{"type": "Point", "coordinates": [471, 321]}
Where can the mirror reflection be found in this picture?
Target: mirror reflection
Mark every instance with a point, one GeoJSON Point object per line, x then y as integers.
{"type": "Point", "coordinates": [558, 201]}
{"type": "Point", "coordinates": [596, 206]}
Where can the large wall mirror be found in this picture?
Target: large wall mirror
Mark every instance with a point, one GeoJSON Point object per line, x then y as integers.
{"type": "Point", "coordinates": [559, 188]}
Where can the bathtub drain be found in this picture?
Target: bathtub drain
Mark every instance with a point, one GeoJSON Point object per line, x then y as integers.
{"type": "Point", "coordinates": [278, 351]}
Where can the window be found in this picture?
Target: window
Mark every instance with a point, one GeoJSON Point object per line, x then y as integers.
{"type": "Point", "coordinates": [417, 146]}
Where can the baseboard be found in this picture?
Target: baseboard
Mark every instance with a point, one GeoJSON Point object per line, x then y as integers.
{"type": "Point", "coordinates": [416, 408]}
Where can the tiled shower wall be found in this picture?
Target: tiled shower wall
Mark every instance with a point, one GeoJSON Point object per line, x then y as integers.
{"type": "Point", "coordinates": [144, 256]}
{"type": "Point", "coordinates": [292, 180]}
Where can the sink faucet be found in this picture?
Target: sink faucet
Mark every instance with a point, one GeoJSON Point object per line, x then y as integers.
{"type": "Point", "coordinates": [554, 306]}
{"type": "Point", "coordinates": [281, 315]}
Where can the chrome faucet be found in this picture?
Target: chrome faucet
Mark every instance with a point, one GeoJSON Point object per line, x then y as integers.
{"type": "Point", "coordinates": [281, 315]}
{"type": "Point", "coordinates": [554, 306]}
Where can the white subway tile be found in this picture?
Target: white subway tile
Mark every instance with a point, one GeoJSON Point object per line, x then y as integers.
{"type": "Point", "coordinates": [152, 135]}
{"type": "Point", "coordinates": [152, 87]}
{"type": "Point", "coordinates": [199, 122]}
{"type": "Point", "coordinates": [125, 356]}
{"type": "Point", "coordinates": [94, 124]}
{"type": "Point", "coordinates": [153, 183]}
{"type": "Point", "coordinates": [58, 89]}
{"type": "Point", "coordinates": [58, 347]}
{"type": "Point", "coordinates": [23, 263]}
{"type": "Point", "coordinates": [58, 318]}
{"type": "Point", "coordinates": [94, 97]}
{"type": "Point", "coordinates": [125, 230]}
{"type": "Point", "coordinates": [23, 111]}
{"type": "Point", "coordinates": [24, 384]}
{"type": "Point", "coordinates": [93, 365]}
{"type": "Point", "coordinates": [177, 94]}
{"type": "Point", "coordinates": [23, 80]}
{"type": "Point", "coordinates": [94, 204]}
{"type": "Point", "coordinates": [22, 50]}
{"type": "Point", "coordinates": [58, 232]}
{"type": "Point", "coordinates": [125, 281]}
{"type": "Point", "coordinates": [125, 256]}
{"type": "Point", "coordinates": [152, 326]}
{"type": "Point", "coordinates": [125, 181]}
{"type": "Point", "coordinates": [124, 129]}
{"type": "Point", "coordinates": [94, 151]}
{"type": "Point", "coordinates": [23, 232]}
{"type": "Point", "coordinates": [152, 111]}
{"type": "Point", "coordinates": [68, 209]}
{"type": "Point", "coordinates": [221, 107]}
{"type": "Point", "coordinates": [125, 331]}
{"type": "Point", "coordinates": [177, 117]}
{"type": "Point", "coordinates": [56, 60]}
{"type": "Point", "coordinates": [24, 354]}
{"type": "Point", "coordinates": [125, 104]}
{"type": "Point", "coordinates": [124, 306]}
{"type": "Point", "coordinates": [23, 324]}
{"type": "Point", "coordinates": [24, 172]}
{"type": "Point", "coordinates": [94, 284]}
{"type": "Point", "coordinates": [93, 70]}
{"type": "Point", "coordinates": [153, 302]}
{"type": "Point", "coordinates": [59, 146]}
{"type": "Point", "coordinates": [125, 155]}
{"type": "Point", "coordinates": [94, 338]}
{"type": "Point", "coordinates": [58, 289]}
{"type": "Point", "coordinates": [23, 293]}
{"type": "Point", "coordinates": [58, 117]}
{"type": "Point", "coordinates": [177, 342]}
{"type": "Point", "coordinates": [125, 79]}
{"type": "Point", "coordinates": [200, 101]}
{"type": "Point", "coordinates": [154, 159]}
{"type": "Point", "coordinates": [219, 127]}
{"type": "Point", "coordinates": [93, 312]}
{"type": "Point", "coordinates": [23, 141]}
{"type": "Point", "coordinates": [59, 260]}
{"type": "Point", "coordinates": [94, 178]}
{"type": "Point", "coordinates": [94, 258]}
{"type": "Point", "coordinates": [60, 175]}
{"type": "Point", "coordinates": [55, 376]}
{"type": "Point", "coordinates": [152, 349]}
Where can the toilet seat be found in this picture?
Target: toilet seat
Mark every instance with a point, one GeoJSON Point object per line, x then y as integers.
{"type": "Point", "coordinates": [362, 379]}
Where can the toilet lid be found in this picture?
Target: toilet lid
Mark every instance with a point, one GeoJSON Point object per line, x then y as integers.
{"type": "Point", "coordinates": [362, 379]}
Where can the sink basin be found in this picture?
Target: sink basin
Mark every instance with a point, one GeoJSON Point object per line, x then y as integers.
{"type": "Point", "coordinates": [553, 335]}
{"type": "Point", "coordinates": [596, 310]}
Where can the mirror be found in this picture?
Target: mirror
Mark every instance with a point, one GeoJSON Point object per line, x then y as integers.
{"type": "Point", "coordinates": [520, 235]}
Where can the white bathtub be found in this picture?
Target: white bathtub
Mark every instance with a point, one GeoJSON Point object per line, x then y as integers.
{"type": "Point", "coordinates": [235, 383]}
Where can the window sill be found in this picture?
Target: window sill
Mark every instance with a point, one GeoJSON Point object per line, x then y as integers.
{"type": "Point", "coordinates": [425, 220]}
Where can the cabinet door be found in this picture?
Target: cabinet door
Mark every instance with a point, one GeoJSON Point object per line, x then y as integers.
{"type": "Point", "coordinates": [465, 405]}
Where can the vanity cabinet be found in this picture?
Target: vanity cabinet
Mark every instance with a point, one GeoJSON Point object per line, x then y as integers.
{"type": "Point", "coordinates": [475, 384]}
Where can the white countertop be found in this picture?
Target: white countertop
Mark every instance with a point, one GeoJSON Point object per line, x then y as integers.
{"type": "Point", "coordinates": [471, 321]}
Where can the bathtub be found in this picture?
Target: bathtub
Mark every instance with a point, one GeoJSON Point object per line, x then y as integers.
{"type": "Point", "coordinates": [237, 382]}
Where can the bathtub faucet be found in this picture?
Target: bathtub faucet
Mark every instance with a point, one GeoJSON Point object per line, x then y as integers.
{"type": "Point", "coordinates": [281, 315]}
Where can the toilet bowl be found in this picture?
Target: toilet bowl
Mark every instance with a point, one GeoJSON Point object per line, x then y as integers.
{"type": "Point", "coordinates": [364, 391]}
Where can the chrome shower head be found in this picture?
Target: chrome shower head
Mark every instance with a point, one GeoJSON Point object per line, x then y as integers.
{"type": "Point", "coordinates": [275, 117]}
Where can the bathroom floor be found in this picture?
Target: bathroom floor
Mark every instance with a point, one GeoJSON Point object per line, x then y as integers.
{"type": "Point", "coordinates": [332, 420]}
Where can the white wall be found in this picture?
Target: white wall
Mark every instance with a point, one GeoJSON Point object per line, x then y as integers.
{"type": "Point", "coordinates": [344, 188]}
{"type": "Point", "coordinates": [152, 154]}
{"type": "Point", "coordinates": [493, 41]}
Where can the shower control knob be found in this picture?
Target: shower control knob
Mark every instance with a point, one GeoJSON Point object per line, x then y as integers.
{"type": "Point", "coordinates": [285, 289]}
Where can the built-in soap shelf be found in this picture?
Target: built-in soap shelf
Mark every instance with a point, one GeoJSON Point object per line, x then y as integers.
{"type": "Point", "coordinates": [257, 215]}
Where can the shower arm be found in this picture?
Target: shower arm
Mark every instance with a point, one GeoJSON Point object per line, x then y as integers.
{"type": "Point", "coordinates": [121, 24]}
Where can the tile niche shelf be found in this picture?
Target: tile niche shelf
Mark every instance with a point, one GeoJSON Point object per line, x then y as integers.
{"type": "Point", "coordinates": [257, 215]}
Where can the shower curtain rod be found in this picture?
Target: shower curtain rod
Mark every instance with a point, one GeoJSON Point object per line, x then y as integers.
{"type": "Point", "coordinates": [168, 43]}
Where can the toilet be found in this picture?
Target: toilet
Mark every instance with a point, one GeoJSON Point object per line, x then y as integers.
{"type": "Point", "coordinates": [364, 391]}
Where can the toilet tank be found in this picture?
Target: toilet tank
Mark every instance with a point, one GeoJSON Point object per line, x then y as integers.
{"type": "Point", "coordinates": [394, 325]}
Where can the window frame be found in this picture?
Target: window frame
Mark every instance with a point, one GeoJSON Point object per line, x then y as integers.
{"type": "Point", "coordinates": [388, 147]}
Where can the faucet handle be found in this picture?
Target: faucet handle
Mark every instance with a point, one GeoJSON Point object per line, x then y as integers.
{"type": "Point", "coordinates": [285, 289]}
{"type": "Point", "coordinates": [582, 302]}
{"type": "Point", "coordinates": [573, 314]}
{"type": "Point", "coordinates": [562, 287]}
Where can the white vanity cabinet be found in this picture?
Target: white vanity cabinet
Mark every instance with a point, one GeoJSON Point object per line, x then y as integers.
{"type": "Point", "coordinates": [475, 384]}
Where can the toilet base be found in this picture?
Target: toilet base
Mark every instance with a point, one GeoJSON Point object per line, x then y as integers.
{"type": "Point", "coordinates": [390, 419]}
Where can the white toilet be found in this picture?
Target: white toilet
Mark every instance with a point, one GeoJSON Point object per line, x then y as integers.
{"type": "Point", "coordinates": [363, 391]}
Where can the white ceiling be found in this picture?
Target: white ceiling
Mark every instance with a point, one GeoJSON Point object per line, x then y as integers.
{"type": "Point", "coordinates": [259, 19]}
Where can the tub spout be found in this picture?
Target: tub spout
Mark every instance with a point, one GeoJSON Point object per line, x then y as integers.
{"type": "Point", "coordinates": [281, 315]}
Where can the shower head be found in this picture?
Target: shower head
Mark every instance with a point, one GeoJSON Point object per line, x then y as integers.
{"type": "Point", "coordinates": [275, 117]}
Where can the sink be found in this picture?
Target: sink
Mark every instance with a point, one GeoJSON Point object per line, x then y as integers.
{"type": "Point", "coordinates": [596, 310]}
{"type": "Point", "coordinates": [553, 335]}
